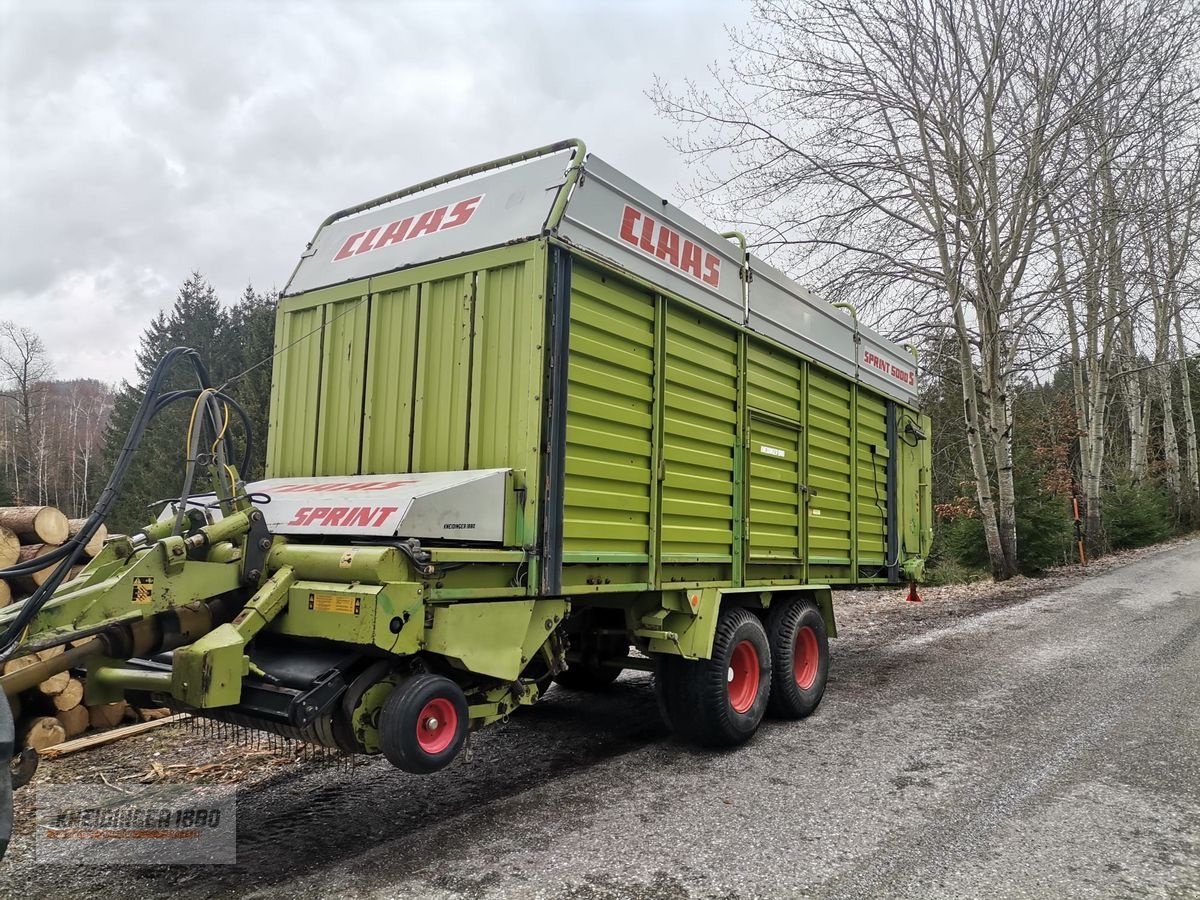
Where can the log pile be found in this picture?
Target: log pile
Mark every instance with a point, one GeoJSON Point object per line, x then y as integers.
{"type": "Point", "coordinates": [55, 710]}
{"type": "Point", "coordinates": [30, 532]}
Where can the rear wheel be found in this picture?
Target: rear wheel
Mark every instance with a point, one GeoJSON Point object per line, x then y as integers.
{"type": "Point", "coordinates": [423, 724]}
{"type": "Point", "coordinates": [719, 702]}
{"type": "Point", "coordinates": [799, 658]}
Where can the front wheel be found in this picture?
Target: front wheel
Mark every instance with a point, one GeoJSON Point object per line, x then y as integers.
{"type": "Point", "coordinates": [799, 658]}
{"type": "Point", "coordinates": [423, 724]}
{"type": "Point", "coordinates": [719, 702]}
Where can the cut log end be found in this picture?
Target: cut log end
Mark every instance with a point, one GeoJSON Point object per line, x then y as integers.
{"type": "Point", "coordinates": [70, 696]}
{"type": "Point", "coordinates": [55, 684]}
{"type": "Point", "coordinates": [74, 720]}
{"type": "Point", "coordinates": [32, 552]}
{"type": "Point", "coordinates": [93, 547]}
{"type": "Point", "coordinates": [10, 547]}
{"type": "Point", "coordinates": [106, 715]}
{"type": "Point", "coordinates": [16, 665]}
{"type": "Point", "coordinates": [36, 524]}
{"type": "Point", "coordinates": [45, 731]}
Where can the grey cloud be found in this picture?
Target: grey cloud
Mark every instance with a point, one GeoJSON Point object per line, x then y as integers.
{"type": "Point", "coordinates": [144, 140]}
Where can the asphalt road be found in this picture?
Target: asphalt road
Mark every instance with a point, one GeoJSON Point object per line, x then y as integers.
{"type": "Point", "coordinates": [1045, 748]}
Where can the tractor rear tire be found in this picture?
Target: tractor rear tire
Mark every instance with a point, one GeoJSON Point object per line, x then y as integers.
{"type": "Point", "coordinates": [423, 724]}
{"type": "Point", "coordinates": [719, 702]}
{"type": "Point", "coordinates": [799, 658]}
{"type": "Point", "coordinates": [8, 737]}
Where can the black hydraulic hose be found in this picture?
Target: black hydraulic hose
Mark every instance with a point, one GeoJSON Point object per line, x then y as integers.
{"type": "Point", "coordinates": [70, 551]}
{"type": "Point", "coordinates": [39, 562]}
{"type": "Point", "coordinates": [167, 399]}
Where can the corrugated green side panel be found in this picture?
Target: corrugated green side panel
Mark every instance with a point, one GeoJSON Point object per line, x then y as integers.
{"type": "Point", "coordinates": [773, 381]}
{"type": "Point", "coordinates": [699, 433]}
{"type": "Point", "coordinates": [872, 479]}
{"type": "Point", "coordinates": [505, 389]}
{"type": "Point", "coordinates": [438, 370]}
{"type": "Point", "coordinates": [829, 441]}
{"type": "Point", "coordinates": [774, 395]}
{"type": "Point", "coordinates": [443, 375]}
{"type": "Point", "coordinates": [391, 372]}
{"type": "Point", "coordinates": [776, 504]}
{"type": "Point", "coordinates": [609, 417]}
{"type": "Point", "coordinates": [294, 396]}
{"type": "Point", "coordinates": [339, 434]}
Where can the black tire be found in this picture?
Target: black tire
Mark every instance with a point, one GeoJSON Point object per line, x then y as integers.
{"type": "Point", "coordinates": [702, 702]}
{"type": "Point", "coordinates": [410, 724]}
{"type": "Point", "coordinates": [799, 658]}
{"type": "Point", "coordinates": [7, 746]}
{"type": "Point", "coordinates": [585, 677]}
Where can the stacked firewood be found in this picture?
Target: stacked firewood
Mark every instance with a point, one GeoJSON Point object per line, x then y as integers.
{"type": "Point", "coordinates": [54, 710]}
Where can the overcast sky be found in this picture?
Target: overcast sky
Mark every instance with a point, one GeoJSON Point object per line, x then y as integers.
{"type": "Point", "coordinates": [143, 140]}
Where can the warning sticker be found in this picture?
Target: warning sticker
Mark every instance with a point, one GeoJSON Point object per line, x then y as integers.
{"type": "Point", "coordinates": [335, 603]}
{"type": "Point", "coordinates": [143, 589]}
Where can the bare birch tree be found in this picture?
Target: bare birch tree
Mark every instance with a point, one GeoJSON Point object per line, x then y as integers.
{"type": "Point", "coordinates": [24, 370]}
{"type": "Point", "coordinates": [1100, 222]}
{"type": "Point", "coordinates": [1169, 219]}
{"type": "Point", "coordinates": [907, 148]}
{"type": "Point", "coordinates": [962, 160]}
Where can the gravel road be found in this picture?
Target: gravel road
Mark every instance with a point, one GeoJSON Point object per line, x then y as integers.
{"type": "Point", "coordinates": [1031, 746]}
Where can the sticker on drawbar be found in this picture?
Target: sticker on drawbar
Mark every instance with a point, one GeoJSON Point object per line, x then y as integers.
{"type": "Point", "coordinates": [143, 589]}
{"type": "Point", "coordinates": [347, 559]}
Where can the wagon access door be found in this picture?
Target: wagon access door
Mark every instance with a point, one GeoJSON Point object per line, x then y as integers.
{"type": "Point", "coordinates": [776, 512]}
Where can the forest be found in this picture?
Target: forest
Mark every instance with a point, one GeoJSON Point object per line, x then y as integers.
{"type": "Point", "coordinates": [59, 439]}
{"type": "Point", "coordinates": [1013, 187]}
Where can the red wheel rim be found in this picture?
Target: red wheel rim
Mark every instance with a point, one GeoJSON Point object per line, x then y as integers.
{"type": "Point", "coordinates": [437, 725]}
{"type": "Point", "coordinates": [805, 658]}
{"type": "Point", "coordinates": [743, 677]}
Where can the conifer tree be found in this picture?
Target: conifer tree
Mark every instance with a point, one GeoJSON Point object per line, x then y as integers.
{"type": "Point", "coordinates": [197, 319]}
{"type": "Point", "coordinates": [252, 328]}
{"type": "Point", "coordinates": [236, 344]}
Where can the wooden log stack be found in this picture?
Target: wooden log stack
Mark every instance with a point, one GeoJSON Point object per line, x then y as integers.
{"type": "Point", "coordinates": [53, 711]}
{"type": "Point", "coordinates": [29, 532]}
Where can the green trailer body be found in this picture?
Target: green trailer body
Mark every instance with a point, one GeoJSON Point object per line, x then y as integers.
{"type": "Point", "coordinates": [523, 418]}
{"type": "Point", "coordinates": [657, 446]}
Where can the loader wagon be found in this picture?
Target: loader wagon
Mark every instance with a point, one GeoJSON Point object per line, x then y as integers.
{"type": "Point", "coordinates": [529, 423]}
